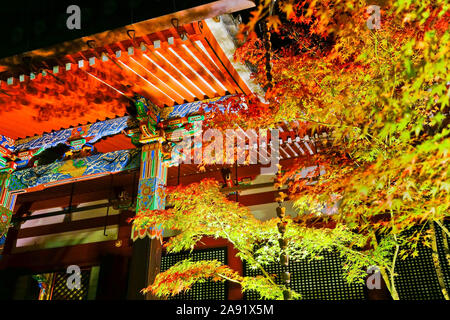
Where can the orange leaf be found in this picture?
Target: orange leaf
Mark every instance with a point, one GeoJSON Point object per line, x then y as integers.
{"type": "Point", "coordinates": [288, 8]}
{"type": "Point", "coordinates": [273, 22]}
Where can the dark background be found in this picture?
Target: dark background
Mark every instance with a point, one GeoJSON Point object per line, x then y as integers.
{"type": "Point", "coordinates": [26, 25]}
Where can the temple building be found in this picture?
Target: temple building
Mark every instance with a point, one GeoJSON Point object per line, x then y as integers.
{"type": "Point", "coordinates": [88, 129]}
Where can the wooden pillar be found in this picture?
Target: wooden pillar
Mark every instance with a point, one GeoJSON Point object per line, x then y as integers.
{"type": "Point", "coordinates": [7, 203]}
{"type": "Point", "coordinates": [145, 265]}
{"type": "Point", "coordinates": [146, 257]}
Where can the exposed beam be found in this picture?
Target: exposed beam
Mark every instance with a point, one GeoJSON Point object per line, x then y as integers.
{"type": "Point", "coordinates": [58, 213]}
{"type": "Point", "coordinates": [74, 225]}
{"type": "Point", "coordinates": [198, 13]}
{"type": "Point", "coordinates": [246, 187]}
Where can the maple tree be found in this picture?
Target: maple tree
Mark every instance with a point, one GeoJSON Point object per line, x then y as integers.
{"type": "Point", "coordinates": [201, 209]}
{"type": "Point", "coordinates": [383, 97]}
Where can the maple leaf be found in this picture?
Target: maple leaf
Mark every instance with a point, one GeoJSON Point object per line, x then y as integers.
{"type": "Point", "coordinates": [288, 8]}
{"type": "Point", "coordinates": [273, 22]}
{"type": "Point", "coordinates": [368, 92]}
{"type": "Point", "coordinates": [256, 16]}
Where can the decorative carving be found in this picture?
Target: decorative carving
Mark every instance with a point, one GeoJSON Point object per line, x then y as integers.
{"type": "Point", "coordinates": [92, 133]}
{"type": "Point", "coordinates": [149, 116]}
{"type": "Point", "coordinates": [123, 201]}
{"type": "Point", "coordinates": [66, 171]}
{"type": "Point", "coordinates": [44, 281]}
{"type": "Point", "coordinates": [151, 196]}
{"type": "Point", "coordinates": [5, 219]}
{"type": "Point", "coordinates": [7, 202]}
{"type": "Point", "coordinates": [79, 148]}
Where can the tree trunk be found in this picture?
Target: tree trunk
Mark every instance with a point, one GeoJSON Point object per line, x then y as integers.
{"type": "Point", "coordinates": [437, 263]}
{"type": "Point", "coordinates": [389, 281]}
{"type": "Point", "coordinates": [394, 292]}
{"type": "Point", "coordinates": [445, 241]}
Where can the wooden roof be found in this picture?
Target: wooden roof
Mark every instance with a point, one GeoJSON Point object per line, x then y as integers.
{"type": "Point", "coordinates": [169, 67]}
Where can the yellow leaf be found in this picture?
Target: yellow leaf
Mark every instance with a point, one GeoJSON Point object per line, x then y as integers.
{"type": "Point", "coordinates": [273, 22]}
{"type": "Point", "coordinates": [288, 8]}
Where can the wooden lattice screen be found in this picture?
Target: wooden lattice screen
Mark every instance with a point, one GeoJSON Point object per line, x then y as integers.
{"type": "Point", "coordinates": [200, 291]}
{"type": "Point", "coordinates": [318, 279]}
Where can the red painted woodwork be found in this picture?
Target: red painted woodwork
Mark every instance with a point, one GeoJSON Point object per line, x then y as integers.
{"type": "Point", "coordinates": [168, 75]}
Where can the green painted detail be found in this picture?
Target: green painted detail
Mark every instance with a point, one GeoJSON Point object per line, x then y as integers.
{"type": "Point", "coordinates": [5, 219]}
{"type": "Point", "coordinates": [79, 163]}
{"type": "Point", "coordinates": [15, 183]}
{"type": "Point", "coordinates": [77, 142]}
{"type": "Point", "coordinates": [152, 162]}
{"type": "Point", "coordinates": [39, 151]}
{"type": "Point", "coordinates": [192, 119]}
{"type": "Point", "coordinates": [135, 140]}
{"type": "Point", "coordinates": [141, 108]}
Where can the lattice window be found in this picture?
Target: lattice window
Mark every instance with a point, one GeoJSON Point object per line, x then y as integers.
{"type": "Point", "coordinates": [61, 290]}
{"type": "Point", "coordinates": [54, 286]}
{"type": "Point", "coordinates": [317, 279]}
{"type": "Point", "coordinates": [417, 278]}
{"type": "Point", "coordinates": [200, 291]}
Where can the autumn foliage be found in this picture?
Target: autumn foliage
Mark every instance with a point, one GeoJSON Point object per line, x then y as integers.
{"type": "Point", "coordinates": [383, 96]}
